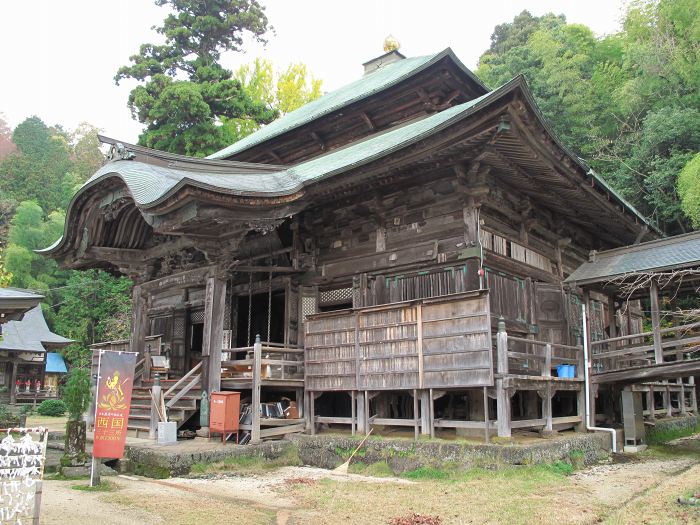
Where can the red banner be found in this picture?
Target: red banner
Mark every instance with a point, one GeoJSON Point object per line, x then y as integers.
{"type": "Point", "coordinates": [115, 380]}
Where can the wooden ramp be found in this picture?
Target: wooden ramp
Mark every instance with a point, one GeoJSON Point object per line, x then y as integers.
{"type": "Point", "coordinates": [651, 372]}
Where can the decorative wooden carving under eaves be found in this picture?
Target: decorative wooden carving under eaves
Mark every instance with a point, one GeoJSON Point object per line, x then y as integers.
{"type": "Point", "coordinates": [265, 226]}
{"type": "Point", "coordinates": [119, 152]}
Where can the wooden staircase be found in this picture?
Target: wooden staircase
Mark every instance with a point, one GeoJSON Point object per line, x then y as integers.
{"type": "Point", "coordinates": [182, 397]}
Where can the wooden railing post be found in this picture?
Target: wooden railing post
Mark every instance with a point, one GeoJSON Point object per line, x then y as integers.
{"type": "Point", "coordinates": [547, 370]}
{"type": "Point", "coordinates": [656, 322]}
{"type": "Point", "coordinates": [146, 374]}
{"type": "Point", "coordinates": [257, 358]}
{"type": "Point", "coordinates": [156, 392]}
{"type": "Point", "coordinates": [502, 393]}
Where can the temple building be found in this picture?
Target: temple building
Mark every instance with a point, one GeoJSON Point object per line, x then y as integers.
{"type": "Point", "coordinates": [403, 246]}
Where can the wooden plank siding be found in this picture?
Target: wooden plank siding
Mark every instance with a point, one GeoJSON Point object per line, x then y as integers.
{"type": "Point", "coordinates": [442, 342]}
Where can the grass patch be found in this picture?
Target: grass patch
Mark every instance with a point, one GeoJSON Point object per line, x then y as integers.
{"type": "Point", "coordinates": [249, 464]}
{"type": "Point", "coordinates": [427, 473]}
{"type": "Point", "coordinates": [57, 476]}
{"type": "Point", "coordinates": [103, 486]}
{"type": "Point", "coordinates": [380, 469]}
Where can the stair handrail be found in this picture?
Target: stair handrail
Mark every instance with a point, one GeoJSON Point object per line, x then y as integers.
{"type": "Point", "coordinates": [183, 379]}
{"type": "Point", "coordinates": [183, 391]}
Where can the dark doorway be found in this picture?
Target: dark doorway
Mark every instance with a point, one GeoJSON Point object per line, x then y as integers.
{"type": "Point", "coordinates": [259, 317]}
{"type": "Point", "coordinates": [195, 343]}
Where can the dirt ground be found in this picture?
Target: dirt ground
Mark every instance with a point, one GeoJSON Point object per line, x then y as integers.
{"type": "Point", "coordinates": [639, 490]}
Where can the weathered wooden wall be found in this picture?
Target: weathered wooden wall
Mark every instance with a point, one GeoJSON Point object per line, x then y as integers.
{"type": "Point", "coordinates": [431, 343]}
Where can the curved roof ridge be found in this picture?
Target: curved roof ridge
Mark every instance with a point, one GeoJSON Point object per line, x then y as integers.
{"type": "Point", "coordinates": [355, 91]}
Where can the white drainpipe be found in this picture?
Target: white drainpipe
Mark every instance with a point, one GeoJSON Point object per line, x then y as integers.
{"type": "Point", "coordinates": [590, 418]}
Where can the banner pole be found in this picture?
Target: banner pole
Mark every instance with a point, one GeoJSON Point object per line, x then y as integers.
{"type": "Point", "coordinates": [95, 467]}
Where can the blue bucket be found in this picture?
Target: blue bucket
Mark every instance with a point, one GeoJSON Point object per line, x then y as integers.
{"type": "Point", "coordinates": [571, 371]}
{"type": "Point", "coordinates": [562, 371]}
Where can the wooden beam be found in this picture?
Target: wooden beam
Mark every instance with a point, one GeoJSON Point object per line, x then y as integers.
{"type": "Point", "coordinates": [656, 322]}
{"type": "Point", "coordinates": [212, 337]}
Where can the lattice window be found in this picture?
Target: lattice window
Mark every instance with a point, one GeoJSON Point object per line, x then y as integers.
{"type": "Point", "coordinates": [197, 316]}
{"type": "Point", "coordinates": [178, 328]}
{"type": "Point", "coordinates": [337, 296]}
{"type": "Point", "coordinates": [308, 306]}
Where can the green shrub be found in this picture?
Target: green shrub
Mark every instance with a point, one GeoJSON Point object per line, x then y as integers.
{"type": "Point", "coordinates": [76, 394]}
{"type": "Point", "coordinates": [52, 407]}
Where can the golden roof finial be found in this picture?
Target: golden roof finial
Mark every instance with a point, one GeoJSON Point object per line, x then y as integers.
{"type": "Point", "coordinates": [391, 44]}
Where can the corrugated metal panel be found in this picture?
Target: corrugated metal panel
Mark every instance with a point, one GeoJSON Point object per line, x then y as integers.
{"type": "Point", "coordinates": [673, 252]}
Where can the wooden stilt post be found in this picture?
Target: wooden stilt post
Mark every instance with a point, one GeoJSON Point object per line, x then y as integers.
{"type": "Point", "coordinates": [416, 418]}
{"type": "Point", "coordinates": [651, 404]}
{"type": "Point", "coordinates": [667, 400]}
{"type": "Point", "coordinates": [487, 420]}
{"type": "Point", "coordinates": [431, 412]}
{"type": "Point", "coordinates": [693, 395]}
{"type": "Point", "coordinates": [257, 362]}
{"type": "Point", "coordinates": [353, 413]}
{"type": "Point", "coordinates": [367, 425]}
{"type": "Point", "coordinates": [502, 393]}
{"type": "Point", "coordinates": [312, 412]}
{"type": "Point", "coordinates": [360, 411]}
{"type": "Point", "coordinates": [424, 412]}
{"type": "Point", "coordinates": [656, 322]}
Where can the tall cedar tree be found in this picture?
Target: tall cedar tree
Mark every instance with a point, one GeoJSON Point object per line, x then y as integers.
{"type": "Point", "coordinates": [186, 93]}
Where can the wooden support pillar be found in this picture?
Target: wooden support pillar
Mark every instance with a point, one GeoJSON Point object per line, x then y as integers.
{"type": "Point", "coordinates": [367, 425]}
{"type": "Point", "coordinates": [693, 395]}
{"type": "Point", "coordinates": [353, 413]}
{"type": "Point", "coordinates": [425, 412]}
{"type": "Point", "coordinates": [299, 398]}
{"type": "Point", "coordinates": [255, 394]}
{"type": "Point", "coordinates": [667, 401]}
{"type": "Point", "coordinates": [651, 403]}
{"type": "Point", "coordinates": [547, 407]}
{"type": "Point", "coordinates": [139, 326]}
{"type": "Point", "coordinates": [431, 413]}
{"type": "Point", "coordinates": [656, 322]}
{"type": "Point", "coordinates": [502, 394]}
{"type": "Point", "coordinates": [416, 418]}
{"type": "Point", "coordinates": [13, 383]}
{"type": "Point", "coordinates": [213, 333]}
{"type": "Point", "coordinates": [360, 411]}
{"type": "Point", "coordinates": [487, 420]}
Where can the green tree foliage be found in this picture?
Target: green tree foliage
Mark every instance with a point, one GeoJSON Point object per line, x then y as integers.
{"type": "Point", "coordinates": [627, 103]}
{"type": "Point", "coordinates": [95, 306]}
{"type": "Point", "coordinates": [76, 394]}
{"type": "Point", "coordinates": [689, 189]}
{"type": "Point", "coordinates": [5, 276]}
{"type": "Point", "coordinates": [36, 170]}
{"type": "Point", "coordinates": [281, 91]}
{"type": "Point", "coordinates": [186, 94]}
{"type": "Point", "coordinates": [30, 230]}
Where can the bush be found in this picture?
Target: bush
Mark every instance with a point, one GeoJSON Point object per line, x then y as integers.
{"type": "Point", "coordinates": [52, 407]}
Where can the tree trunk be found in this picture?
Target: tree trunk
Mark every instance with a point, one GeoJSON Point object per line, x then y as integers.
{"type": "Point", "coordinates": [74, 453]}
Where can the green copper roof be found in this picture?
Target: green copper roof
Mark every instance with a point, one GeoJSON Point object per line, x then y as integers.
{"type": "Point", "coordinates": [364, 87]}
{"type": "Point", "coordinates": [681, 251]}
{"type": "Point", "coordinates": [149, 184]}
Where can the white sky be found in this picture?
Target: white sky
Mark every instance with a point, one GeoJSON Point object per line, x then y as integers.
{"type": "Point", "coordinates": [59, 57]}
